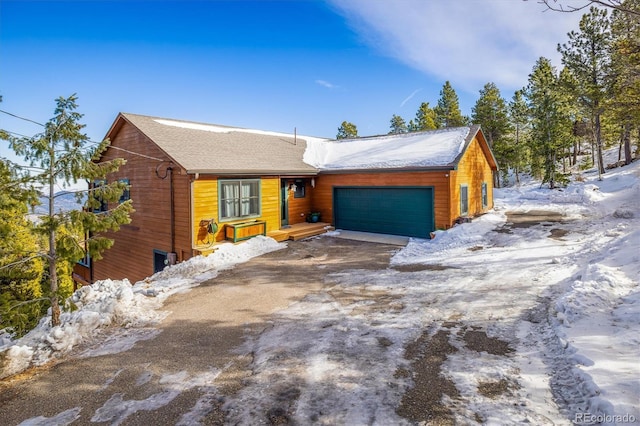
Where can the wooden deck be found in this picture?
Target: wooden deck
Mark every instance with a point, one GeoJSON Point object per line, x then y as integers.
{"type": "Point", "coordinates": [300, 231]}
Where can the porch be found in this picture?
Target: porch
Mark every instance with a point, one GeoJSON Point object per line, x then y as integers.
{"type": "Point", "coordinates": [300, 230]}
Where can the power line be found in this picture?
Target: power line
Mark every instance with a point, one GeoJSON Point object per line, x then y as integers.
{"type": "Point", "coordinates": [22, 118]}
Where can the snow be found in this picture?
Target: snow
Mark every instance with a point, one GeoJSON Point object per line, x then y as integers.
{"type": "Point", "coordinates": [225, 129]}
{"type": "Point", "coordinates": [117, 303]}
{"type": "Point", "coordinates": [423, 149]}
{"type": "Point", "coordinates": [563, 294]}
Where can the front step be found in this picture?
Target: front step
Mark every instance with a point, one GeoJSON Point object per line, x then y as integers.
{"type": "Point", "coordinates": [298, 235]}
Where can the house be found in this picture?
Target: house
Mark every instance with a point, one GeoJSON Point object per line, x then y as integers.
{"type": "Point", "coordinates": [194, 184]}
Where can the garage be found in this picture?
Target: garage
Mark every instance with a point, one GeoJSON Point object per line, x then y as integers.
{"type": "Point", "coordinates": [385, 210]}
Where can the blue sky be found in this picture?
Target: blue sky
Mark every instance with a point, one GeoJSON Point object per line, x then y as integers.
{"type": "Point", "coordinates": [271, 65]}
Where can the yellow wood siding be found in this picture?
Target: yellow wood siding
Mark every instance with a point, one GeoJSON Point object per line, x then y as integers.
{"type": "Point", "coordinates": [205, 207]}
{"type": "Point", "coordinates": [473, 171]}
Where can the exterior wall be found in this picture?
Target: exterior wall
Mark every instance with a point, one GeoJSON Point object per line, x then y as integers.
{"type": "Point", "coordinates": [323, 193]}
{"type": "Point", "coordinates": [205, 207]}
{"type": "Point", "coordinates": [132, 253]}
{"type": "Point", "coordinates": [473, 170]}
{"type": "Point", "coordinates": [299, 207]}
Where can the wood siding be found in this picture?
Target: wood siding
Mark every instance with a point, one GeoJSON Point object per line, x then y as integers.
{"type": "Point", "coordinates": [299, 207]}
{"type": "Point", "coordinates": [132, 253]}
{"type": "Point", "coordinates": [205, 207]}
{"type": "Point", "coordinates": [473, 171]}
{"type": "Point", "coordinates": [322, 199]}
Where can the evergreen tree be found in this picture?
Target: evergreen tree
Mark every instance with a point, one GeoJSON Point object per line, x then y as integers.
{"type": "Point", "coordinates": [447, 111]}
{"type": "Point", "coordinates": [21, 267]}
{"type": "Point", "coordinates": [586, 55]}
{"type": "Point", "coordinates": [347, 130]}
{"type": "Point", "coordinates": [490, 112]}
{"type": "Point", "coordinates": [65, 154]}
{"type": "Point", "coordinates": [425, 119]}
{"type": "Point", "coordinates": [398, 125]}
{"type": "Point", "coordinates": [624, 105]}
{"type": "Point", "coordinates": [551, 124]}
{"type": "Point", "coordinates": [519, 119]}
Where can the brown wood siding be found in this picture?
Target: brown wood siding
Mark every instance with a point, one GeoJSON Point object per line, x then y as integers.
{"type": "Point", "coordinates": [322, 199]}
{"type": "Point", "coordinates": [299, 207]}
{"type": "Point", "coordinates": [205, 207]}
{"type": "Point", "coordinates": [473, 170]}
{"type": "Point", "coordinates": [132, 253]}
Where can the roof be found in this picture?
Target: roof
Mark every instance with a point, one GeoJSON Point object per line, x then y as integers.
{"type": "Point", "coordinates": [435, 149]}
{"type": "Point", "coordinates": [209, 148]}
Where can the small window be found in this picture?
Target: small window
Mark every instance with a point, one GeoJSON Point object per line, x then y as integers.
{"type": "Point", "coordinates": [464, 200]}
{"type": "Point", "coordinates": [126, 195]}
{"type": "Point", "coordinates": [485, 195]}
{"type": "Point", "coordinates": [86, 260]}
{"type": "Point", "coordinates": [299, 189]}
{"type": "Point", "coordinates": [104, 206]}
{"type": "Point", "coordinates": [239, 199]}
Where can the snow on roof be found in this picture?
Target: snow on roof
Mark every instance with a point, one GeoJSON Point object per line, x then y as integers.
{"type": "Point", "coordinates": [423, 149]}
{"type": "Point", "coordinates": [224, 129]}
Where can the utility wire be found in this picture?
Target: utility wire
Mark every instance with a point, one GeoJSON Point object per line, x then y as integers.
{"type": "Point", "coordinates": [22, 118]}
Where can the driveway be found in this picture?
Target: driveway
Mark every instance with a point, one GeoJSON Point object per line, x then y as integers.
{"type": "Point", "coordinates": [195, 359]}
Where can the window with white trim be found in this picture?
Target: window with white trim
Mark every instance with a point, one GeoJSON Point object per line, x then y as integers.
{"type": "Point", "coordinates": [239, 198]}
{"type": "Point", "coordinates": [464, 200]}
{"type": "Point", "coordinates": [485, 195]}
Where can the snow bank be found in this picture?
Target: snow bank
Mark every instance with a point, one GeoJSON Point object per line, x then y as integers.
{"type": "Point", "coordinates": [118, 303]}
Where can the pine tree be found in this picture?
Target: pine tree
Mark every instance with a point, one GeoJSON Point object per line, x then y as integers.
{"type": "Point", "coordinates": [65, 154]}
{"type": "Point", "coordinates": [447, 111]}
{"type": "Point", "coordinates": [347, 130]}
{"type": "Point", "coordinates": [624, 105]}
{"type": "Point", "coordinates": [586, 55]}
{"type": "Point", "coordinates": [425, 119]}
{"type": "Point", "coordinates": [398, 125]}
{"type": "Point", "coordinates": [519, 118]}
{"type": "Point", "coordinates": [21, 267]}
{"type": "Point", "coordinates": [551, 124]}
{"type": "Point", "coordinates": [490, 112]}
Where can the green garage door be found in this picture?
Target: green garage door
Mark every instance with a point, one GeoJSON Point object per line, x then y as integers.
{"type": "Point", "coordinates": [385, 210]}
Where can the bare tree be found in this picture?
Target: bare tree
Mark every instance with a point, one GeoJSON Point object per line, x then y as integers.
{"type": "Point", "coordinates": [564, 6]}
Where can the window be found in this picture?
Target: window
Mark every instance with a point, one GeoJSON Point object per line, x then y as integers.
{"type": "Point", "coordinates": [485, 195]}
{"type": "Point", "coordinates": [126, 195]}
{"type": "Point", "coordinates": [86, 260]}
{"type": "Point", "coordinates": [103, 206]}
{"type": "Point", "coordinates": [464, 200]}
{"type": "Point", "coordinates": [239, 199]}
{"type": "Point", "coordinates": [299, 189]}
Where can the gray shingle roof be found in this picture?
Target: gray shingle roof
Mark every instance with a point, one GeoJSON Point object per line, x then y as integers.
{"type": "Point", "coordinates": [209, 148]}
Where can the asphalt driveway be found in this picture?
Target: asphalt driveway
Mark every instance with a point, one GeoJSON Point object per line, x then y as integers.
{"type": "Point", "coordinates": [193, 360]}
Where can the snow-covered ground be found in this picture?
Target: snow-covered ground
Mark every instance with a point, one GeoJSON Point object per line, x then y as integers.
{"type": "Point", "coordinates": [563, 294]}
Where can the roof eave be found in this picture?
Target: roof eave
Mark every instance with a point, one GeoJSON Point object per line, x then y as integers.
{"type": "Point", "coordinates": [237, 172]}
{"type": "Point", "coordinates": [446, 167]}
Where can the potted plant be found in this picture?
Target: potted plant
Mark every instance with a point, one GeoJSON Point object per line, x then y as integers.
{"type": "Point", "coordinates": [313, 217]}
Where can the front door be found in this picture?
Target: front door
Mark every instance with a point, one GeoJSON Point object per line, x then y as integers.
{"type": "Point", "coordinates": [284, 203]}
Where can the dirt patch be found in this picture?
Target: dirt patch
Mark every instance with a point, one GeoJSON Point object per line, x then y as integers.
{"type": "Point", "coordinates": [557, 233]}
{"type": "Point", "coordinates": [478, 341]}
{"type": "Point", "coordinates": [493, 389]}
{"type": "Point", "coordinates": [418, 267]}
{"type": "Point", "coordinates": [423, 402]}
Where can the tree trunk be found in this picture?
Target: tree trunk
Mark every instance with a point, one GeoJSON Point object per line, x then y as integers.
{"type": "Point", "coordinates": [53, 273]}
{"type": "Point", "coordinates": [627, 143]}
{"type": "Point", "coordinates": [598, 131]}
